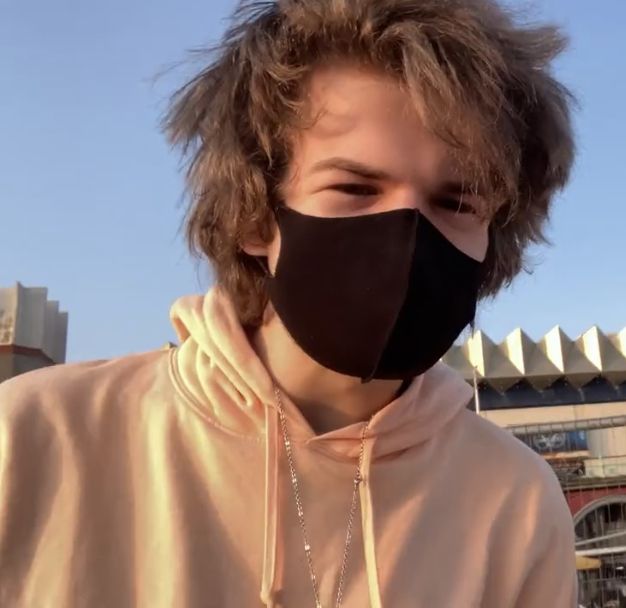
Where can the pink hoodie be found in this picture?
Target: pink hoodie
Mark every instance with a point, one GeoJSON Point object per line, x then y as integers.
{"type": "Point", "coordinates": [159, 480]}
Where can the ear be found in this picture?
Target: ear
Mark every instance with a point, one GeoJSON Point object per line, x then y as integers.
{"type": "Point", "coordinates": [255, 247]}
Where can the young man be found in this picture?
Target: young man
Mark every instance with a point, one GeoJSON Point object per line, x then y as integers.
{"type": "Point", "coordinates": [362, 172]}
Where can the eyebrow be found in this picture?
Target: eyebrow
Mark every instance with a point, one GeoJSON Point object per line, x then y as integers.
{"type": "Point", "coordinates": [351, 166]}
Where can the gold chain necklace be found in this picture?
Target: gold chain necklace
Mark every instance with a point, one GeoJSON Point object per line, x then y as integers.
{"type": "Point", "coordinates": [358, 478]}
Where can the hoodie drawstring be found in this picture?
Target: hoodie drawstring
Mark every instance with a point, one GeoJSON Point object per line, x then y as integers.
{"type": "Point", "coordinates": [367, 523]}
{"type": "Point", "coordinates": [271, 507]}
{"type": "Point", "coordinates": [269, 577]}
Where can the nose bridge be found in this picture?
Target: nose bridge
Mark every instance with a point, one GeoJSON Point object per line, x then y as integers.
{"type": "Point", "coordinates": [407, 196]}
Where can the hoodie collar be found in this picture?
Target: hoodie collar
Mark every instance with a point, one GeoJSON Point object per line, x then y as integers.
{"type": "Point", "coordinates": [221, 375]}
{"type": "Point", "coordinates": [219, 371]}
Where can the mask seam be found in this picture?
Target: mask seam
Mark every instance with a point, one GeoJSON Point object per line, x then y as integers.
{"type": "Point", "coordinates": [418, 215]}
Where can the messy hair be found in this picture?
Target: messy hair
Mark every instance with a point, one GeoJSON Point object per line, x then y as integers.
{"type": "Point", "coordinates": [482, 80]}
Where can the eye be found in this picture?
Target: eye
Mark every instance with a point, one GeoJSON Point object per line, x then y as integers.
{"type": "Point", "coordinates": [455, 205]}
{"type": "Point", "coordinates": [356, 189]}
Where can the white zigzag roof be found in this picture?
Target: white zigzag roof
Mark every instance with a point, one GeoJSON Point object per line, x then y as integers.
{"type": "Point", "coordinates": [554, 357]}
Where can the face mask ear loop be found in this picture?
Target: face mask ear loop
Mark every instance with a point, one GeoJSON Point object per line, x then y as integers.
{"type": "Point", "coordinates": [262, 262]}
{"type": "Point", "coordinates": [474, 371]}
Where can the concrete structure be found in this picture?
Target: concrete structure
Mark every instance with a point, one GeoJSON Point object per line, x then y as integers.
{"type": "Point", "coordinates": [33, 331]}
{"type": "Point", "coordinates": [518, 377]}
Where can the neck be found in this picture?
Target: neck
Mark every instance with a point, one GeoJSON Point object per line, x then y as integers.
{"type": "Point", "coordinates": [328, 400]}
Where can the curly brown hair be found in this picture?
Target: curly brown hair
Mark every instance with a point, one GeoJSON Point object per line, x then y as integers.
{"type": "Point", "coordinates": [483, 79]}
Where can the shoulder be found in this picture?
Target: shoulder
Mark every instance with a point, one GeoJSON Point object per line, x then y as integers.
{"type": "Point", "coordinates": [510, 470]}
{"type": "Point", "coordinates": [61, 390]}
{"type": "Point", "coordinates": [528, 526]}
{"type": "Point", "coordinates": [521, 496]}
{"type": "Point", "coordinates": [500, 449]}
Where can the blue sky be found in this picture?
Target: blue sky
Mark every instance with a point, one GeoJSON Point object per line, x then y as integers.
{"type": "Point", "coordinates": [90, 194]}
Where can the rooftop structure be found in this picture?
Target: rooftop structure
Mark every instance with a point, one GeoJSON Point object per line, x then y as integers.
{"type": "Point", "coordinates": [33, 330]}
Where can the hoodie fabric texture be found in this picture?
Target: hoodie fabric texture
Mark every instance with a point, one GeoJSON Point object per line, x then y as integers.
{"type": "Point", "coordinates": [159, 480]}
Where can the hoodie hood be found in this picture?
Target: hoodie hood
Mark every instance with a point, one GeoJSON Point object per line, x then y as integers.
{"type": "Point", "coordinates": [221, 374]}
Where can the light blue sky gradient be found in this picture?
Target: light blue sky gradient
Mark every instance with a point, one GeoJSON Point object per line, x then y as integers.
{"type": "Point", "coordinates": [90, 194]}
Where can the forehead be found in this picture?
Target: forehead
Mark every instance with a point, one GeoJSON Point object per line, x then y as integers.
{"type": "Point", "coordinates": [367, 116]}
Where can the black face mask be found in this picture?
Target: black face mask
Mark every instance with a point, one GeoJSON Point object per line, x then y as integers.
{"type": "Point", "coordinates": [375, 296]}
